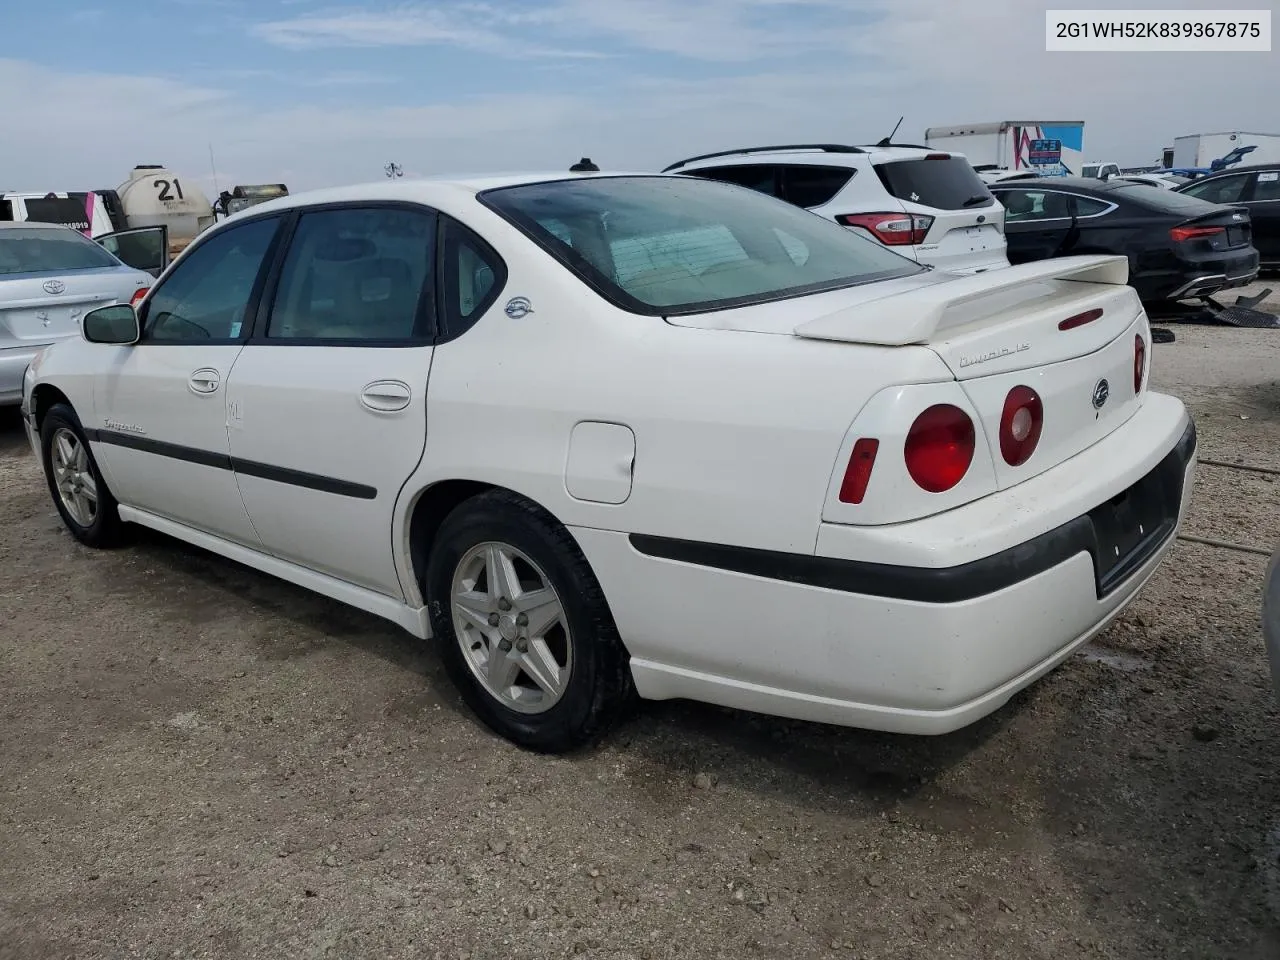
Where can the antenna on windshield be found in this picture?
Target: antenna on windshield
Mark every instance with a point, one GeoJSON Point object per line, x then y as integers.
{"type": "Point", "coordinates": [888, 141]}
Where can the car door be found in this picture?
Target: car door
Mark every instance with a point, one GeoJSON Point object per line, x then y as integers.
{"type": "Point", "coordinates": [1264, 212]}
{"type": "Point", "coordinates": [1037, 222]}
{"type": "Point", "coordinates": [328, 413]}
{"type": "Point", "coordinates": [143, 248]}
{"type": "Point", "coordinates": [160, 402]}
{"type": "Point", "coordinates": [1229, 188]}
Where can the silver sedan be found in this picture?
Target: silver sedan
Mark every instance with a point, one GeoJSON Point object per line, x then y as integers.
{"type": "Point", "coordinates": [51, 276]}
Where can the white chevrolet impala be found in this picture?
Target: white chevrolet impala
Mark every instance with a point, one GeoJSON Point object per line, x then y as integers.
{"type": "Point", "coordinates": [615, 434]}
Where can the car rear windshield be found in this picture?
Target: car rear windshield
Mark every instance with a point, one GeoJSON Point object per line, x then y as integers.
{"type": "Point", "coordinates": [942, 183]}
{"type": "Point", "coordinates": [46, 250]}
{"type": "Point", "coordinates": [1164, 201]}
{"type": "Point", "coordinates": [69, 210]}
{"type": "Point", "coordinates": [678, 245]}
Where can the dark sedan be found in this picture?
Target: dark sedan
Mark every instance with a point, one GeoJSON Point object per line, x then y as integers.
{"type": "Point", "coordinates": [1179, 247]}
{"type": "Point", "coordinates": [1256, 189]}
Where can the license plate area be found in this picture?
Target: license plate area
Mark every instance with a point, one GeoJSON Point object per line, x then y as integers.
{"type": "Point", "coordinates": [1130, 527]}
{"type": "Point", "coordinates": [1237, 236]}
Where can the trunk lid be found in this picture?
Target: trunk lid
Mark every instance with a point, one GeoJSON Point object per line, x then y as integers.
{"type": "Point", "coordinates": [44, 307]}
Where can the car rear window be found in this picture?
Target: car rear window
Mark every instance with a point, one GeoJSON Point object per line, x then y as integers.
{"type": "Point", "coordinates": [679, 245]}
{"type": "Point", "coordinates": [42, 250]}
{"type": "Point", "coordinates": [944, 184]}
{"type": "Point", "coordinates": [69, 210]}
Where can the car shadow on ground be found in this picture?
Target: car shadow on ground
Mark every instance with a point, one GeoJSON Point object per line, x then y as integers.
{"type": "Point", "coordinates": [13, 439]}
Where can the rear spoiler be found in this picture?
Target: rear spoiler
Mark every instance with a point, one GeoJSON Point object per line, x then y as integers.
{"type": "Point", "coordinates": [918, 316]}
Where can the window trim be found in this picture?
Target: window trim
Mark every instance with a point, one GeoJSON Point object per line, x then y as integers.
{"type": "Point", "coordinates": [444, 330]}
{"type": "Point", "coordinates": [426, 298]}
{"type": "Point", "coordinates": [586, 273]}
{"type": "Point", "coordinates": [1111, 205]}
{"type": "Point", "coordinates": [255, 292]}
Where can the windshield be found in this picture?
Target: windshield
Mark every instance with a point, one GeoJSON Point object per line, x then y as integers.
{"type": "Point", "coordinates": [45, 250]}
{"type": "Point", "coordinates": [676, 245]}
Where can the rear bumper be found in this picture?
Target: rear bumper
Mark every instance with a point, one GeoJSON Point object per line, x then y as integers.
{"type": "Point", "coordinates": [1187, 280]}
{"type": "Point", "coordinates": [920, 627]}
{"type": "Point", "coordinates": [13, 364]}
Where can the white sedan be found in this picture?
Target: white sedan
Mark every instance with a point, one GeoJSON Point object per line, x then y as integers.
{"type": "Point", "coordinates": [616, 434]}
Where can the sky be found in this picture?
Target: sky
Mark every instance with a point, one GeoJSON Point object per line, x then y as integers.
{"type": "Point", "coordinates": [317, 94]}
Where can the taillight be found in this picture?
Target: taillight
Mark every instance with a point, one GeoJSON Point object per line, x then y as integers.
{"type": "Point", "coordinates": [858, 473]}
{"type": "Point", "coordinates": [1080, 319]}
{"type": "Point", "coordinates": [1139, 362]}
{"type": "Point", "coordinates": [939, 447]}
{"type": "Point", "coordinates": [138, 295]}
{"type": "Point", "coordinates": [891, 229]}
{"type": "Point", "coordinates": [1020, 425]}
{"type": "Point", "coordinates": [1180, 234]}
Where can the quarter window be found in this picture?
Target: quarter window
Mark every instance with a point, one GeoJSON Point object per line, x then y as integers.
{"type": "Point", "coordinates": [807, 185]}
{"type": "Point", "coordinates": [356, 274]}
{"type": "Point", "coordinates": [471, 275]}
{"type": "Point", "coordinates": [206, 296]}
{"type": "Point", "coordinates": [1219, 189]}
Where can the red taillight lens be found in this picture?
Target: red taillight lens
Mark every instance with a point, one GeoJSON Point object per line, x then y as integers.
{"type": "Point", "coordinates": [939, 447]}
{"type": "Point", "coordinates": [891, 229]}
{"type": "Point", "coordinates": [1190, 233]}
{"type": "Point", "coordinates": [1080, 319]}
{"type": "Point", "coordinates": [1020, 425]}
{"type": "Point", "coordinates": [138, 295]}
{"type": "Point", "coordinates": [858, 473]}
{"type": "Point", "coordinates": [1139, 362]}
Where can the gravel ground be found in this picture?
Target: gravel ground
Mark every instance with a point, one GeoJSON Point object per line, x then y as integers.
{"type": "Point", "coordinates": [198, 761]}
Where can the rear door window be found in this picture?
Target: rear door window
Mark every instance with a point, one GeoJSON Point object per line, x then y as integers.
{"type": "Point", "coordinates": [1220, 189]}
{"type": "Point", "coordinates": [761, 177]}
{"type": "Point", "coordinates": [944, 184]}
{"type": "Point", "coordinates": [807, 185]}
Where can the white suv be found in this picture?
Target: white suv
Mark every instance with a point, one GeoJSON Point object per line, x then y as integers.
{"type": "Point", "coordinates": [924, 204]}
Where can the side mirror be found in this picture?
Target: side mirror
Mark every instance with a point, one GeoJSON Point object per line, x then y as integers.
{"type": "Point", "coordinates": [116, 324]}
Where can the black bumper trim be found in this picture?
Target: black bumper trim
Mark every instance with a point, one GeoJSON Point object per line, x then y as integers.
{"type": "Point", "coordinates": [948, 584]}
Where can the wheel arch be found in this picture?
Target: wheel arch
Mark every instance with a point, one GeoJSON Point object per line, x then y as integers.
{"type": "Point", "coordinates": [44, 397]}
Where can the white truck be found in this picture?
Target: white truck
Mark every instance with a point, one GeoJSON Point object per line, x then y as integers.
{"type": "Point", "coordinates": [1048, 148]}
{"type": "Point", "coordinates": [1199, 150]}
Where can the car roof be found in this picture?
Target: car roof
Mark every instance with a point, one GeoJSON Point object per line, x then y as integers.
{"type": "Point", "coordinates": [1079, 184]}
{"type": "Point", "coordinates": [425, 190]}
{"type": "Point", "coordinates": [1241, 168]}
{"type": "Point", "coordinates": [820, 154]}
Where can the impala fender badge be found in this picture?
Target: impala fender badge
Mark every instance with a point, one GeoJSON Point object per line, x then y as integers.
{"type": "Point", "coordinates": [1101, 391]}
{"type": "Point", "coordinates": [518, 307]}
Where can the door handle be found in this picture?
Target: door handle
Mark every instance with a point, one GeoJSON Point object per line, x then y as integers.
{"type": "Point", "coordinates": [386, 396]}
{"type": "Point", "coordinates": [205, 380]}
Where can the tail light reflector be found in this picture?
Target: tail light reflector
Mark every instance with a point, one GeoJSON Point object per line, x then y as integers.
{"type": "Point", "coordinates": [939, 447]}
{"type": "Point", "coordinates": [891, 229]}
{"type": "Point", "coordinates": [858, 473]}
{"type": "Point", "coordinates": [1080, 319]}
{"type": "Point", "coordinates": [1020, 425]}
{"type": "Point", "coordinates": [1139, 362]}
{"type": "Point", "coordinates": [138, 295]}
{"type": "Point", "coordinates": [1180, 234]}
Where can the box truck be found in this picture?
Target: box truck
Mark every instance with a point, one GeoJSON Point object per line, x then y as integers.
{"type": "Point", "coordinates": [1050, 148]}
{"type": "Point", "coordinates": [1199, 150]}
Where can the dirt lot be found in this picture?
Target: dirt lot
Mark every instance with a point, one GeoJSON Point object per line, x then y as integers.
{"type": "Point", "coordinates": [198, 761]}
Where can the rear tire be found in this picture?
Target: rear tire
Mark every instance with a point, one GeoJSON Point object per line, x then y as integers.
{"type": "Point", "coordinates": [86, 506]}
{"type": "Point", "coordinates": [525, 632]}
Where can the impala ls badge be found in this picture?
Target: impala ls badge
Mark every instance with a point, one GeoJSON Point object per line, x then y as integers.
{"type": "Point", "coordinates": [54, 286]}
{"type": "Point", "coordinates": [518, 307]}
{"type": "Point", "coordinates": [1101, 391]}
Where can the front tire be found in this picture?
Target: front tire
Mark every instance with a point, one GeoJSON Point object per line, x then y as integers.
{"type": "Point", "coordinates": [85, 504]}
{"type": "Point", "coordinates": [525, 632]}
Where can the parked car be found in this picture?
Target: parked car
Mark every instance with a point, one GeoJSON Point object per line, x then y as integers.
{"type": "Point", "coordinates": [1256, 189]}
{"type": "Point", "coordinates": [1161, 180]}
{"type": "Point", "coordinates": [996, 175]}
{"type": "Point", "coordinates": [51, 275]}
{"type": "Point", "coordinates": [924, 204]}
{"type": "Point", "coordinates": [1178, 247]}
{"type": "Point", "coordinates": [611, 433]}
